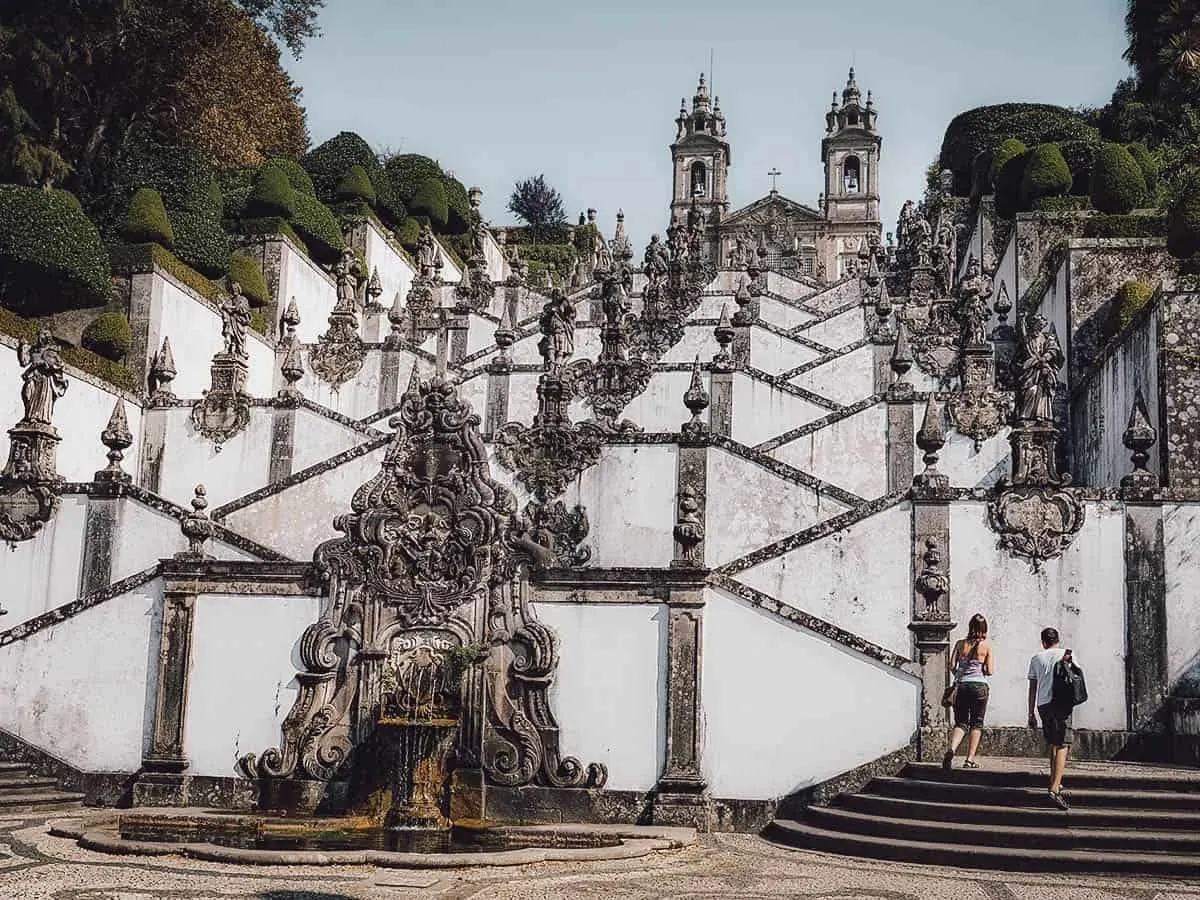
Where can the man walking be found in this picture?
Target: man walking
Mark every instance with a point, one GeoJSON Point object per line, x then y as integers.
{"type": "Point", "coordinates": [1056, 717]}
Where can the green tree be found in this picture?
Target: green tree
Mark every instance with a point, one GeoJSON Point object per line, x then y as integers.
{"type": "Point", "coordinates": [292, 21]}
{"type": "Point", "coordinates": [538, 204]}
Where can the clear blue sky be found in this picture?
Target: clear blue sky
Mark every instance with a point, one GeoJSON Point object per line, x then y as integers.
{"type": "Point", "coordinates": [587, 93]}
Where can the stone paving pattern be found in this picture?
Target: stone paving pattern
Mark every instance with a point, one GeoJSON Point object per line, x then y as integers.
{"type": "Point", "coordinates": [36, 866]}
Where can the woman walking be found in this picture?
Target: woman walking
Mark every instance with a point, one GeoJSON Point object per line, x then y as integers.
{"type": "Point", "coordinates": [972, 664]}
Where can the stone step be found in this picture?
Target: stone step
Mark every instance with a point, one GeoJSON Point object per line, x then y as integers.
{"type": "Point", "coordinates": [42, 799]}
{"type": "Point", "coordinates": [11, 767]}
{"type": "Point", "coordinates": [1060, 833]}
{"type": "Point", "coordinates": [1030, 816]}
{"type": "Point", "coordinates": [956, 792]}
{"type": "Point", "coordinates": [25, 783]}
{"type": "Point", "coordinates": [1124, 777]}
{"type": "Point", "coordinates": [980, 855]}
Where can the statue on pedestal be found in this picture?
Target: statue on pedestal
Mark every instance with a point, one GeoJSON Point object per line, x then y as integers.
{"type": "Point", "coordinates": [344, 271]}
{"type": "Point", "coordinates": [1038, 364]}
{"type": "Point", "coordinates": [558, 331]}
{"type": "Point", "coordinates": [44, 379]}
{"type": "Point", "coordinates": [235, 319]}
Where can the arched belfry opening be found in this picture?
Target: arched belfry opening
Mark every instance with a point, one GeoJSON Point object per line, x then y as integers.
{"type": "Point", "coordinates": [851, 175]}
{"type": "Point", "coordinates": [699, 179]}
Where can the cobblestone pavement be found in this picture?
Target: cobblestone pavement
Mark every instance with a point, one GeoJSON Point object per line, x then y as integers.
{"type": "Point", "coordinates": [36, 866]}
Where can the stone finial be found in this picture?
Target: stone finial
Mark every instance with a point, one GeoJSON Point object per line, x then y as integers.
{"type": "Point", "coordinates": [162, 373]}
{"type": "Point", "coordinates": [374, 287]}
{"type": "Point", "coordinates": [196, 527]}
{"type": "Point", "coordinates": [902, 357]}
{"type": "Point", "coordinates": [743, 299]}
{"type": "Point", "coordinates": [696, 400]}
{"type": "Point", "coordinates": [723, 362]}
{"type": "Point", "coordinates": [293, 371]}
{"type": "Point", "coordinates": [395, 315]}
{"type": "Point", "coordinates": [289, 321]}
{"type": "Point", "coordinates": [930, 439]}
{"type": "Point", "coordinates": [1138, 438]}
{"type": "Point", "coordinates": [475, 197]}
{"type": "Point", "coordinates": [506, 334]}
{"type": "Point", "coordinates": [117, 439]}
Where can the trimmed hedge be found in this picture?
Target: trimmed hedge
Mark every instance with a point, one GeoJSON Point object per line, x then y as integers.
{"type": "Point", "coordinates": [51, 257]}
{"type": "Point", "coordinates": [408, 232]}
{"type": "Point", "coordinates": [258, 321]}
{"type": "Point", "coordinates": [981, 174]}
{"type": "Point", "coordinates": [1008, 186]}
{"type": "Point", "coordinates": [983, 128]}
{"type": "Point", "coordinates": [356, 186]}
{"type": "Point", "coordinates": [1183, 223]}
{"type": "Point", "coordinates": [408, 172]}
{"type": "Point", "coordinates": [318, 228]}
{"type": "Point", "coordinates": [430, 200]}
{"type": "Point", "coordinates": [1080, 156]}
{"type": "Point", "coordinates": [1046, 175]}
{"type": "Point", "coordinates": [246, 271]}
{"type": "Point", "coordinates": [200, 241]}
{"type": "Point", "coordinates": [271, 195]}
{"type": "Point", "coordinates": [1147, 163]}
{"type": "Point", "coordinates": [1124, 226]}
{"type": "Point", "coordinates": [84, 360]}
{"type": "Point", "coordinates": [560, 258]}
{"type": "Point", "coordinates": [458, 204]}
{"type": "Point", "coordinates": [329, 163]}
{"type": "Point", "coordinates": [1118, 185]}
{"type": "Point", "coordinates": [131, 258]}
{"type": "Point", "coordinates": [147, 222]}
{"type": "Point", "coordinates": [1061, 204]}
{"type": "Point", "coordinates": [297, 177]}
{"type": "Point", "coordinates": [108, 335]}
{"type": "Point", "coordinates": [1129, 300]}
{"type": "Point", "coordinates": [1007, 149]}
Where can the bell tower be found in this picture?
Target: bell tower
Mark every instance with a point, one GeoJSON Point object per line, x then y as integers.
{"type": "Point", "coordinates": [850, 152]}
{"type": "Point", "coordinates": [700, 160]}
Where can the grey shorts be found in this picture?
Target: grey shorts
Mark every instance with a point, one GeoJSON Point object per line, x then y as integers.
{"type": "Point", "coordinates": [1056, 725]}
{"type": "Point", "coordinates": [970, 704]}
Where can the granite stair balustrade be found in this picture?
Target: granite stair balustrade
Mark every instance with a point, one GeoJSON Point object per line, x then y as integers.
{"type": "Point", "coordinates": [1123, 818]}
{"type": "Point", "coordinates": [21, 792]}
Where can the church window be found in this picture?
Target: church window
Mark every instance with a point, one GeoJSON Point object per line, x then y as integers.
{"type": "Point", "coordinates": [699, 179]}
{"type": "Point", "coordinates": [850, 175]}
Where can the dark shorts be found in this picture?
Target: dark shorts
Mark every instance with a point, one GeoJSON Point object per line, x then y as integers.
{"type": "Point", "coordinates": [1056, 725]}
{"type": "Point", "coordinates": [970, 704]}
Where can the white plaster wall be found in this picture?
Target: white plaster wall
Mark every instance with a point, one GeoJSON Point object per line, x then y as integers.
{"type": "Point", "coordinates": [787, 287]}
{"type": "Point", "coordinates": [188, 459]}
{"type": "Point", "coordinates": [43, 573]}
{"type": "Point", "coordinates": [145, 536]}
{"type": "Point", "coordinates": [1181, 537]}
{"type": "Point", "coordinates": [781, 314]}
{"type": "Point", "coordinates": [844, 328]}
{"type": "Point", "coordinates": [859, 578]}
{"type": "Point", "coordinates": [774, 353]}
{"type": "Point", "coordinates": [1100, 415]}
{"type": "Point", "coordinates": [497, 263]}
{"type": "Point", "coordinates": [738, 517]}
{"type": "Point", "coordinates": [846, 380]}
{"type": "Point", "coordinates": [79, 415]}
{"type": "Point", "coordinates": [696, 340]}
{"type": "Point", "coordinates": [1081, 594]}
{"type": "Point", "coordinates": [474, 393]}
{"type": "Point", "coordinates": [761, 411]}
{"type": "Point", "coordinates": [525, 351]}
{"type": "Point", "coordinates": [522, 397]}
{"type": "Point", "coordinates": [317, 438]}
{"type": "Point", "coordinates": [710, 307]}
{"type": "Point", "coordinates": [1006, 273]}
{"type": "Point", "coordinates": [395, 273]}
{"type": "Point", "coordinates": [293, 521]}
{"type": "Point", "coordinates": [358, 397]}
{"type": "Point", "coordinates": [195, 332]}
{"type": "Point", "coordinates": [80, 690]}
{"type": "Point", "coordinates": [630, 500]}
{"type": "Point", "coordinates": [660, 407]}
{"type": "Point", "coordinates": [836, 296]}
{"type": "Point", "coordinates": [609, 692]}
{"type": "Point", "coordinates": [785, 708]}
{"type": "Point", "coordinates": [245, 653]}
{"type": "Point", "coordinates": [451, 274]}
{"type": "Point", "coordinates": [851, 453]}
{"type": "Point", "coordinates": [963, 463]}
{"type": "Point", "coordinates": [314, 291]}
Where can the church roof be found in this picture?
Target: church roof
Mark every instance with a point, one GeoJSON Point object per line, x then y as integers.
{"type": "Point", "coordinates": [773, 206]}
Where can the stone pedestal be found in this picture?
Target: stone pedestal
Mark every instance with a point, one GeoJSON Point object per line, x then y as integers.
{"type": "Point", "coordinates": [30, 480]}
{"type": "Point", "coordinates": [225, 410]}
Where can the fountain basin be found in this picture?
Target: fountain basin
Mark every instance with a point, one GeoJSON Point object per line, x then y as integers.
{"type": "Point", "coordinates": [222, 836]}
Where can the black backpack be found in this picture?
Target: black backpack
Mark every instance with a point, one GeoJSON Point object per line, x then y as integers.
{"type": "Point", "coordinates": [1069, 687]}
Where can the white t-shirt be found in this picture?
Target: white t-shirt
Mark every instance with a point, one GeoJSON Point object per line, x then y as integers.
{"type": "Point", "coordinates": [1041, 670]}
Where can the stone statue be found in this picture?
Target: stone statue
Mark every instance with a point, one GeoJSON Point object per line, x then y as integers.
{"type": "Point", "coordinates": [678, 241]}
{"type": "Point", "coordinates": [657, 262]}
{"type": "Point", "coordinates": [601, 256]}
{"type": "Point", "coordinates": [974, 311]}
{"type": "Point", "coordinates": [904, 223]}
{"type": "Point", "coordinates": [1039, 360]}
{"type": "Point", "coordinates": [344, 271]}
{"type": "Point", "coordinates": [739, 258]}
{"type": "Point", "coordinates": [44, 378]}
{"type": "Point", "coordinates": [558, 331]}
{"type": "Point", "coordinates": [479, 238]}
{"type": "Point", "coordinates": [947, 251]}
{"type": "Point", "coordinates": [427, 253]}
{"type": "Point", "coordinates": [614, 300]}
{"type": "Point", "coordinates": [235, 319]}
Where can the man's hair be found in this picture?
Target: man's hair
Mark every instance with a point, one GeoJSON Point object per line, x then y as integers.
{"type": "Point", "coordinates": [1049, 636]}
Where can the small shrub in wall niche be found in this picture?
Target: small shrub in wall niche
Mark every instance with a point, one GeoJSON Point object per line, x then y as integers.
{"type": "Point", "coordinates": [1118, 184]}
{"type": "Point", "coordinates": [1128, 302]}
{"type": "Point", "coordinates": [108, 335]}
{"type": "Point", "coordinates": [1046, 175]}
{"type": "Point", "coordinates": [246, 271]}
{"type": "Point", "coordinates": [1183, 225]}
{"type": "Point", "coordinates": [51, 257]}
{"type": "Point", "coordinates": [1147, 163]}
{"type": "Point", "coordinates": [271, 195]}
{"type": "Point", "coordinates": [356, 186]}
{"type": "Point", "coordinates": [147, 222]}
{"type": "Point", "coordinates": [430, 200]}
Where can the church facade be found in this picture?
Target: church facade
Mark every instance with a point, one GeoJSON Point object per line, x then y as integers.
{"type": "Point", "coordinates": [819, 243]}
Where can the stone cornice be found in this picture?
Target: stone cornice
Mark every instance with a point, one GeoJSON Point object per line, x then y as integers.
{"type": "Point", "coordinates": [238, 577]}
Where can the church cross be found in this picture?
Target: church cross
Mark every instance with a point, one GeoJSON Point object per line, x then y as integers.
{"type": "Point", "coordinates": [774, 173]}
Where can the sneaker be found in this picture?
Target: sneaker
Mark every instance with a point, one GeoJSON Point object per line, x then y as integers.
{"type": "Point", "coordinates": [1057, 798]}
{"type": "Point", "coordinates": [947, 759]}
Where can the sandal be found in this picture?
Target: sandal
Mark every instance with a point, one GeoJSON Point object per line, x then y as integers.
{"type": "Point", "coordinates": [970, 764]}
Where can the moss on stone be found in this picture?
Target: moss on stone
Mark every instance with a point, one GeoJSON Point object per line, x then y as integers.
{"type": "Point", "coordinates": [135, 258]}
{"type": "Point", "coordinates": [246, 271]}
{"type": "Point", "coordinates": [108, 335]}
{"type": "Point", "coordinates": [1129, 300]}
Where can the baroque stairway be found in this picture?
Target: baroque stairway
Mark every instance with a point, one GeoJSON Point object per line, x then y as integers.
{"type": "Point", "coordinates": [22, 792]}
{"type": "Point", "coordinates": [1124, 818]}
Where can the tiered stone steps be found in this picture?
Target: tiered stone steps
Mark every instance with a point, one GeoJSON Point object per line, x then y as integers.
{"type": "Point", "coordinates": [1123, 818]}
{"type": "Point", "coordinates": [22, 792]}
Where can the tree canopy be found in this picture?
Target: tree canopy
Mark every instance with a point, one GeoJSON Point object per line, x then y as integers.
{"type": "Point", "coordinates": [537, 204]}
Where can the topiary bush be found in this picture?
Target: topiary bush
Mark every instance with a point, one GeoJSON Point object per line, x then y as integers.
{"type": "Point", "coordinates": [271, 195]}
{"type": "Point", "coordinates": [559, 258]}
{"type": "Point", "coordinates": [408, 171]}
{"type": "Point", "coordinates": [430, 200]}
{"type": "Point", "coordinates": [1006, 150]}
{"type": "Point", "coordinates": [147, 222]}
{"type": "Point", "coordinates": [458, 204]}
{"type": "Point", "coordinates": [1046, 175]}
{"type": "Point", "coordinates": [318, 228]}
{"type": "Point", "coordinates": [329, 163]}
{"type": "Point", "coordinates": [246, 271]}
{"type": "Point", "coordinates": [297, 177]}
{"type": "Point", "coordinates": [108, 335]}
{"type": "Point", "coordinates": [1008, 186]}
{"type": "Point", "coordinates": [1147, 163]}
{"type": "Point", "coordinates": [200, 241]}
{"type": "Point", "coordinates": [1080, 156]}
{"type": "Point", "coordinates": [51, 257]}
{"type": "Point", "coordinates": [1129, 300]}
{"type": "Point", "coordinates": [408, 232]}
{"type": "Point", "coordinates": [983, 128]}
{"type": "Point", "coordinates": [1117, 184]}
{"type": "Point", "coordinates": [1183, 223]}
{"type": "Point", "coordinates": [356, 186]}
{"type": "Point", "coordinates": [981, 169]}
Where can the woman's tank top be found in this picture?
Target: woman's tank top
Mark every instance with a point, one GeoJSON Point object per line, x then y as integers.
{"type": "Point", "coordinates": [970, 669]}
